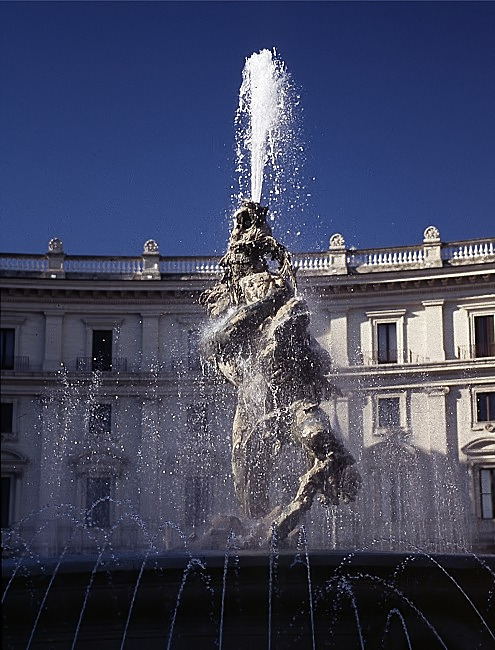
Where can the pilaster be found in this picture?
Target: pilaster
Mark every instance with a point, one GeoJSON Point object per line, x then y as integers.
{"type": "Point", "coordinates": [52, 354]}
{"type": "Point", "coordinates": [150, 341]}
{"type": "Point", "coordinates": [435, 348]}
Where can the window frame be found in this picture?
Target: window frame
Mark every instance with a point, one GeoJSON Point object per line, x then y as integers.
{"type": "Point", "coordinates": [386, 317]}
{"type": "Point", "coordinates": [98, 323]}
{"type": "Point", "coordinates": [477, 425]}
{"type": "Point", "coordinates": [3, 364]}
{"type": "Point", "coordinates": [473, 311]}
{"type": "Point", "coordinates": [481, 493]}
{"type": "Point", "coordinates": [12, 434]}
{"type": "Point", "coordinates": [193, 349]}
{"type": "Point", "coordinates": [93, 430]}
{"type": "Point", "coordinates": [102, 361]}
{"type": "Point", "coordinates": [475, 343]}
{"type": "Point", "coordinates": [403, 413]}
{"type": "Point", "coordinates": [196, 515]}
{"type": "Point", "coordinates": [105, 503]}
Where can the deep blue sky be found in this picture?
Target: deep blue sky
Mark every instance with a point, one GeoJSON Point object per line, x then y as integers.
{"type": "Point", "coordinates": [116, 121]}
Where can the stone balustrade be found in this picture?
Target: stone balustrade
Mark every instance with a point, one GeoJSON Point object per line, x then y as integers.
{"type": "Point", "coordinates": [337, 260]}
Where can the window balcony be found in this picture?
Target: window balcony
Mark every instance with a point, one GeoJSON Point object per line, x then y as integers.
{"type": "Point", "coordinates": [92, 364]}
{"type": "Point", "coordinates": [16, 364]}
{"type": "Point", "coordinates": [476, 351]}
{"type": "Point", "coordinates": [390, 357]}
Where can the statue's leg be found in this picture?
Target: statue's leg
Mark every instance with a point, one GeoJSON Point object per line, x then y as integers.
{"type": "Point", "coordinates": [251, 466]}
{"type": "Point", "coordinates": [331, 472]}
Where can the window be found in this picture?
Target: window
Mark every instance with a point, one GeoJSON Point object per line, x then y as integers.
{"type": "Point", "coordinates": [100, 421]}
{"type": "Point", "coordinates": [6, 501]}
{"type": "Point", "coordinates": [194, 362]}
{"type": "Point", "coordinates": [384, 336]}
{"type": "Point", "coordinates": [487, 492]}
{"type": "Point", "coordinates": [197, 418]}
{"type": "Point", "coordinates": [197, 500]}
{"type": "Point", "coordinates": [485, 406]}
{"type": "Point", "coordinates": [7, 345]}
{"type": "Point", "coordinates": [484, 336]}
{"type": "Point", "coordinates": [101, 357]}
{"type": "Point", "coordinates": [7, 417]}
{"type": "Point", "coordinates": [98, 502]}
{"type": "Point", "coordinates": [388, 412]}
{"type": "Point", "coordinates": [387, 342]}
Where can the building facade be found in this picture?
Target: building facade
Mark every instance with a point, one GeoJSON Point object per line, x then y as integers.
{"type": "Point", "coordinates": [114, 433]}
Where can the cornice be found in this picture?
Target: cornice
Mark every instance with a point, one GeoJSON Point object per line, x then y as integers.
{"type": "Point", "coordinates": [354, 286]}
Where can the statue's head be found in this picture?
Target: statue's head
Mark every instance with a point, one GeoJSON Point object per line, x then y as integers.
{"type": "Point", "coordinates": [251, 214]}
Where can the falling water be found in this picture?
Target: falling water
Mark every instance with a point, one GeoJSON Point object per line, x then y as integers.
{"type": "Point", "coordinates": [268, 146]}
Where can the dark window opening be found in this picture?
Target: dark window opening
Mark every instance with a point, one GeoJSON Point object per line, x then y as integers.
{"type": "Point", "coordinates": [101, 358]}
{"type": "Point", "coordinates": [388, 412]}
{"type": "Point", "coordinates": [387, 342]}
{"type": "Point", "coordinates": [6, 501]}
{"type": "Point", "coordinates": [98, 502]}
{"type": "Point", "coordinates": [487, 492]}
{"type": "Point", "coordinates": [484, 336]}
{"type": "Point", "coordinates": [194, 362]}
{"type": "Point", "coordinates": [485, 407]}
{"type": "Point", "coordinates": [7, 417]}
{"type": "Point", "coordinates": [100, 421]}
{"type": "Point", "coordinates": [197, 499]}
{"type": "Point", "coordinates": [7, 345]}
{"type": "Point", "coordinates": [197, 418]}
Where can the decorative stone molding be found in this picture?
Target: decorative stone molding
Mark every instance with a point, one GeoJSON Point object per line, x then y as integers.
{"type": "Point", "coordinates": [55, 245]}
{"type": "Point", "coordinates": [481, 447]}
{"type": "Point", "coordinates": [431, 235]}
{"type": "Point", "coordinates": [13, 462]}
{"type": "Point", "coordinates": [101, 463]}
{"type": "Point", "coordinates": [150, 247]}
{"type": "Point", "coordinates": [151, 261]}
{"type": "Point", "coordinates": [337, 255]}
{"type": "Point", "coordinates": [337, 241]}
{"type": "Point", "coordinates": [432, 247]}
{"type": "Point", "coordinates": [56, 259]}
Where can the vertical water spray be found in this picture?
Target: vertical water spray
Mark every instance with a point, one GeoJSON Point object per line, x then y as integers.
{"type": "Point", "coordinates": [267, 123]}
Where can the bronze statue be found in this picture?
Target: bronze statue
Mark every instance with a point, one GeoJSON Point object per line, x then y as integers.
{"type": "Point", "coordinates": [261, 344]}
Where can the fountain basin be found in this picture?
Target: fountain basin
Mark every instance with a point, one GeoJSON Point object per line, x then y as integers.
{"type": "Point", "coordinates": [245, 599]}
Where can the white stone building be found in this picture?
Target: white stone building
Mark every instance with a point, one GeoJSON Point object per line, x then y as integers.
{"type": "Point", "coordinates": [111, 428]}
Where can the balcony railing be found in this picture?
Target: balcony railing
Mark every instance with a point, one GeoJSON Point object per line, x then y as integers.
{"type": "Point", "coordinates": [90, 364]}
{"type": "Point", "coordinates": [483, 351]}
{"type": "Point", "coordinates": [390, 357]}
{"type": "Point", "coordinates": [336, 260]}
{"type": "Point", "coordinates": [20, 364]}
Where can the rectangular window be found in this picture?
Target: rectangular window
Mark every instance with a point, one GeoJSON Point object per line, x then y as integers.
{"type": "Point", "coordinates": [194, 362]}
{"type": "Point", "coordinates": [100, 421]}
{"type": "Point", "coordinates": [485, 407]}
{"type": "Point", "coordinates": [7, 345]}
{"type": "Point", "coordinates": [6, 501]}
{"type": "Point", "coordinates": [387, 342]}
{"type": "Point", "coordinates": [101, 357]}
{"type": "Point", "coordinates": [487, 493]}
{"type": "Point", "coordinates": [484, 336]}
{"type": "Point", "coordinates": [98, 502]}
{"type": "Point", "coordinates": [7, 417]}
{"type": "Point", "coordinates": [388, 412]}
{"type": "Point", "coordinates": [197, 418]}
{"type": "Point", "coordinates": [197, 499]}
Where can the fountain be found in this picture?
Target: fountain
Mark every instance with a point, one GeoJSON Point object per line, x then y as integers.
{"type": "Point", "coordinates": [261, 343]}
{"type": "Point", "coordinates": [260, 582]}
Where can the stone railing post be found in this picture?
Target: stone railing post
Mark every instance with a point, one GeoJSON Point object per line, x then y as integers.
{"type": "Point", "coordinates": [151, 261]}
{"type": "Point", "coordinates": [56, 258]}
{"type": "Point", "coordinates": [432, 247]}
{"type": "Point", "coordinates": [338, 254]}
